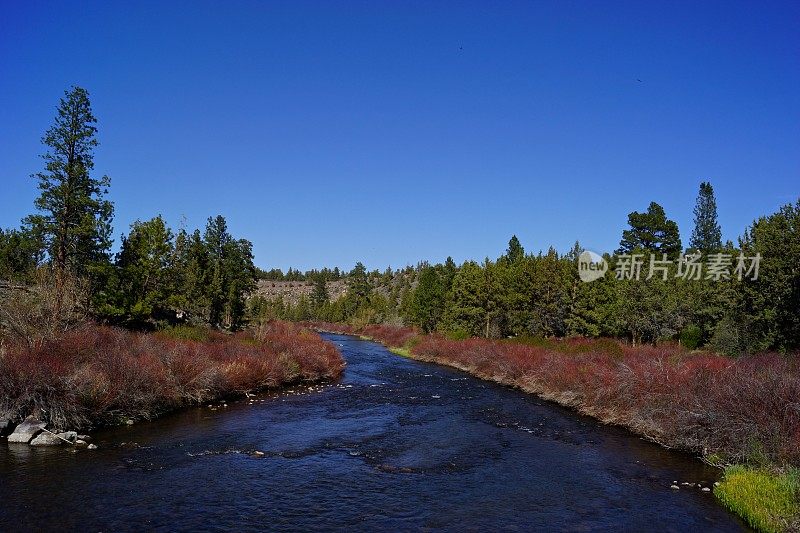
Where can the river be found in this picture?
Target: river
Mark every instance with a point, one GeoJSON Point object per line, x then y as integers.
{"type": "Point", "coordinates": [395, 445]}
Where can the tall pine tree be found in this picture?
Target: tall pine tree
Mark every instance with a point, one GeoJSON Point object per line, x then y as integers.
{"type": "Point", "coordinates": [74, 217]}
{"type": "Point", "coordinates": [706, 235]}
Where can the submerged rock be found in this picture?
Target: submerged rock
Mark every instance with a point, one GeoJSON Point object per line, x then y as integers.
{"type": "Point", "coordinates": [27, 430]}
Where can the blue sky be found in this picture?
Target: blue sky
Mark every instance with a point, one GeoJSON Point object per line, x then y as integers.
{"type": "Point", "coordinates": [391, 132]}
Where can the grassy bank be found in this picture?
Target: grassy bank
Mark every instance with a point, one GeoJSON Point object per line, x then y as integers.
{"type": "Point", "coordinates": [767, 500]}
{"type": "Point", "coordinates": [729, 411]}
{"type": "Point", "coordinates": [98, 375]}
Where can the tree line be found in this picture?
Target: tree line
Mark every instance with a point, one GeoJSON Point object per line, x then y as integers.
{"type": "Point", "coordinates": [61, 254]}
{"type": "Point", "coordinates": [727, 307]}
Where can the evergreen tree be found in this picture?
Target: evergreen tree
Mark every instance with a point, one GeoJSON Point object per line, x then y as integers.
{"type": "Point", "coordinates": [767, 312]}
{"type": "Point", "coordinates": [429, 298]}
{"type": "Point", "coordinates": [550, 295]}
{"type": "Point", "coordinates": [20, 253]}
{"type": "Point", "coordinates": [706, 235]}
{"type": "Point", "coordinates": [651, 231]}
{"type": "Point", "coordinates": [515, 251]}
{"type": "Point", "coordinates": [319, 296]}
{"type": "Point", "coordinates": [144, 264]}
{"type": "Point", "coordinates": [465, 313]}
{"type": "Point", "coordinates": [74, 217]}
{"type": "Point", "coordinates": [358, 289]}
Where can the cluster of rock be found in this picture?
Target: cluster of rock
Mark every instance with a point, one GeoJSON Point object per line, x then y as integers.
{"type": "Point", "coordinates": [34, 432]}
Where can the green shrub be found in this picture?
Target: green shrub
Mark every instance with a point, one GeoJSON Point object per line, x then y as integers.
{"type": "Point", "coordinates": [186, 333]}
{"type": "Point", "coordinates": [458, 335]}
{"type": "Point", "coordinates": [691, 336]}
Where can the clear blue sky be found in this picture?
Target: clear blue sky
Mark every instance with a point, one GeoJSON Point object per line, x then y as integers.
{"type": "Point", "coordinates": [390, 132]}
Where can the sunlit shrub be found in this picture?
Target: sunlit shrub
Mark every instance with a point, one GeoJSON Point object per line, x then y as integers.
{"type": "Point", "coordinates": [100, 375]}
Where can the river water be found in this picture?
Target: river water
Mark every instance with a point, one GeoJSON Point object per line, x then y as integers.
{"type": "Point", "coordinates": [395, 445]}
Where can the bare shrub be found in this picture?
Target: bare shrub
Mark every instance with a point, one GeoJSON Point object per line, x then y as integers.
{"type": "Point", "coordinates": [33, 314]}
{"type": "Point", "coordinates": [95, 375]}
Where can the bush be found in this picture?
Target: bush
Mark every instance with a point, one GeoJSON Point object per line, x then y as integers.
{"type": "Point", "coordinates": [691, 337]}
{"type": "Point", "coordinates": [98, 375]}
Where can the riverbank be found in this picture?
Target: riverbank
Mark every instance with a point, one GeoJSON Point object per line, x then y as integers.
{"type": "Point", "coordinates": [99, 376]}
{"type": "Point", "coordinates": [743, 411]}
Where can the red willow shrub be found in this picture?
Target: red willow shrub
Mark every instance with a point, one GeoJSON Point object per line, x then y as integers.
{"type": "Point", "coordinates": [741, 409]}
{"type": "Point", "coordinates": [99, 375]}
{"type": "Point", "coordinates": [390, 335]}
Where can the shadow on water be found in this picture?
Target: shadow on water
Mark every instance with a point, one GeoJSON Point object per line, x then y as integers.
{"type": "Point", "coordinates": [396, 444]}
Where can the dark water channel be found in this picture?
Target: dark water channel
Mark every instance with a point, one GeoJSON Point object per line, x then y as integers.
{"type": "Point", "coordinates": [396, 445]}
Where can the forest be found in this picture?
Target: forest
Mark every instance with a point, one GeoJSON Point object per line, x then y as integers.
{"type": "Point", "coordinates": [733, 299]}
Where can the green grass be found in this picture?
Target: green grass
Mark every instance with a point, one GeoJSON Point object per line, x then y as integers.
{"type": "Point", "coordinates": [767, 501]}
{"type": "Point", "coordinates": [405, 352]}
{"type": "Point", "coordinates": [186, 333]}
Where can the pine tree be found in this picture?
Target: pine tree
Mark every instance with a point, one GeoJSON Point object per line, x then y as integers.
{"type": "Point", "coordinates": [707, 235]}
{"type": "Point", "coordinates": [358, 289]}
{"type": "Point", "coordinates": [20, 253]}
{"type": "Point", "coordinates": [74, 217]}
{"type": "Point", "coordinates": [319, 295]}
{"type": "Point", "coordinates": [429, 298]}
{"type": "Point", "coordinates": [651, 231]}
{"type": "Point", "coordinates": [465, 313]}
{"type": "Point", "coordinates": [515, 251]}
{"type": "Point", "coordinates": [143, 263]}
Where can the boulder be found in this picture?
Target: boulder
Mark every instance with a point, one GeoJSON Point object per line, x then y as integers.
{"type": "Point", "coordinates": [45, 438]}
{"type": "Point", "coordinates": [27, 430]}
{"type": "Point", "coordinates": [5, 426]}
{"type": "Point", "coordinates": [70, 436]}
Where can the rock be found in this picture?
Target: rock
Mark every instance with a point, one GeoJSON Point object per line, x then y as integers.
{"type": "Point", "coordinates": [258, 454]}
{"type": "Point", "coordinates": [5, 426]}
{"type": "Point", "coordinates": [706, 489]}
{"type": "Point", "coordinates": [27, 430]}
{"type": "Point", "coordinates": [70, 436]}
{"type": "Point", "coordinates": [80, 442]}
{"type": "Point", "coordinates": [91, 447]}
{"type": "Point", "coordinates": [674, 487]}
{"type": "Point", "coordinates": [45, 438]}
{"type": "Point", "coordinates": [86, 438]}
{"type": "Point", "coordinates": [716, 483]}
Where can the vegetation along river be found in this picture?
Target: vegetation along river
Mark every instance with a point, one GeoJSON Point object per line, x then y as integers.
{"type": "Point", "coordinates": [396, 444]}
